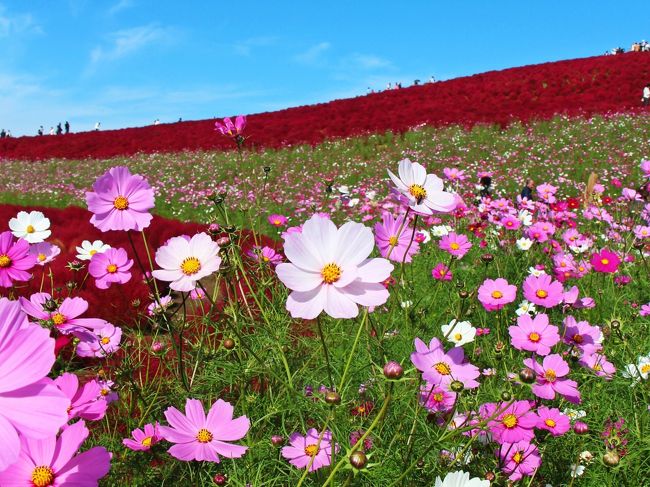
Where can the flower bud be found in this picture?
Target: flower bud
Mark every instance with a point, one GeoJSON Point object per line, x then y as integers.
{"type": "Point", "coordinates": [229, 344]}
{"type": "Point", "coordinates": [456, 386]}
{"type": "Point", "coordinates": [267, 169]}
{"type": "Point", "coordinates": [358, 460]}
{"type": "Point", "coordinates": [463, 294]}
{"type": "Point", "coordinates": [332, 397]}
{"type": "Point", "coordinates": [611, 458]}
{"type": "Point", "coordinates": [393, 370]}
{"type": "Point", "coordinates": [580, 428]}
{"type": "Point", "coordinates": [487, 258]}
{"type": "Point", "coordinates": [220, 479]}
{"type": "Point", "coordinates": [527, 376]}
{"type": "Point", "coordinates": [277, 440]}
{"type": "Point", "coordinates": [506, 396]}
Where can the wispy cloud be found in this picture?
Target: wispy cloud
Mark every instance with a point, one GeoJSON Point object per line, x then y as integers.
{"type": "Point", "coordinates": [368, 61]}
{"type": "Point", "coordinates": [245, 47]}
{"type": "Point", "coordinates": [14, 24]}
{"type": "Point", "coordinates": [119, 6]}
{"type": "Point", "coordinates": [313, 54]}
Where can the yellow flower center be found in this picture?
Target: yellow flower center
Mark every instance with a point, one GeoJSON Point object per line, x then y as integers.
{"type": "Point", "coordinates": [5, 261]}
{"type": "Point", "coordinates": [92, 252]}
{"type": "Point", "coordinates": [41, 257]}
{"type": "Point", "coordinates": [121, 203]}
{"type": "Point", "coordinates": [105, 340]}
{"type": "Point", "coordinates": [645, 368]}
{"type": "Point", "coordinates": [276, 222]}
{"type": "Point", "coordinates": [42, 476]}
{"type": "Point", "coordinates": [393, 240]}
{"type": "Point", "coordinates": [497, 294]}
{"type": "Point", "coordinates": [550, 423]}
{"type": "Point", "coordinates": [458, 337]}
{"type": "Point", "coordinates": [58, 319]}
{"type": "Point", "coordinates": [311, 450]}
{"type": "Point", "coordinates": [442, 368]}
{"type": "Point", "coordinates": [540, 293]}
{"type": "Point", "coordinates": [438, 397]}
{"type": "Point", "coordinates": [418, 192]}
{"type": "Point", "coordinates": [204, 436]}
{"type": "Point", "coordinates": [509, 421]}
{"type": "Point", "coordinates": [597, 367]}
{"type": "Point", "coordinates": [550, 375]}
{"type": "Point", "coordinates": [190, 266]}
{"type": "Point", "coordinates": [331, 273]}
{"type": "Point", "coordinates": [454, 246]}
{"type": "Point", "coordinates": [534, 337]}
{"type": "Point", "coordinates": [146, 441]}
{"type": "Point", "coordinates": [604, 261]}
{"type": "Point", "coordinates": [30, 229]}
{"type": "Point", "coordinates": [578, 338]}
{"type": "Point", "coordinates": [517, 457]}
{"type": "Point", "coordinates": [111, 268]}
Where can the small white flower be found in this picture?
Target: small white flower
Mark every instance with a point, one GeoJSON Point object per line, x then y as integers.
{"type": "Point", "coordinates": [459, 333]}
{"type": "Point", "coordinates": [461, 479]}
{"type": "Point", "coordinates": [579, 249]}
{"type": "Point", "coordinates": [440, 230]}
{"type": "Point", "coordinates": [353, 202]}
{"type": "Point", "coordinates": [577, 470]}
{"type": "Point", "coordinates": [406, 304]}
{"type": "Point", "coordinates": [586, 456]}
{"type": "Point", "coordinates": [524, 243]}
{"type": "Point", "coordinates": [32, 227]}
{"type": "Point", "coordinates": [574, 414]}
{"type": "Point", "coordinates": [533, 271]}
{"type": "Point", "coordinates": [371, 195]}
{"type": "Point", "coordinates": [526, 307]}
{"type": "Point", "coordinates": [88, 249]}
{"type": "Point", "coordinates": [525, 217]}
{"type": "Point", "coordinates": [343, 190]}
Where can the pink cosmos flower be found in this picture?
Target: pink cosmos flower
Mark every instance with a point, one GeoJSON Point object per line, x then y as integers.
{"type": "Point", "coordinates": [510, 423]}
{"type": "Point", "coordinates": [510, 222]}
{"type": "Point", "coordinates": [546, 192]}
{"type": "Point", "coordinates": [454, 174]}
{"type": "Point", "coordinates": [120, 201]}
{"type": "Point", "coordinates": [278, 220]}
{"type": "Point", "coordinates": [303, 450]}
{"type": "Point", "coordinates": [15, 260]}
{"type": "Point", "coordinates": [202, 438]}
{"type": "Point", "coordinates": [52, 461]}
{"type": "Point", "coordinates": [582, 335]}
{"type": "Point", "coordinates": [44, 252]}
{"type": "Point", "coordinates": [110, 267]}
{"type": "Point", "coordinates": [265, 254]}
{"type": "Point", "coordinates": [391, 243]}
{"type": "Point", "coordinates": [158, 307]}
{"type": "Point", "coordinates": [106, 342]}
{"type": "Point", "coordinates": [605, 261]}
{"type": "Point", "coordinates": [424, 192]}
{"type": "Point", "coordinates": [436, 399]}
{"type": "Point", "coordinates": [642, 231]}
{"type": "Point", "coordinates": [106, 390]}
{"type": "Point", "coordinates": [645, 310]}
{"type": "Point", "coordinates": [456, 244]}
{"type": "Point", "coordinates": [551, 378]}
{"type": "Point", "coordinates": [494, 294]}
{"type": "Point", "coordinates": [443, 368]}
{"type": "Point", "coordinates": [330, 270]}
{"type": "Point", "coordinates": [30, 404]}
{"type": "Point", "coordinates": [645, 168]}
{"type": "Point", "coordinates": [552, 420]}
{"type": "Point", "coordinates": [543, 291]}
{"type": "Point", "coordinates": [441, 272]}
{"type": "Point", "coordinates": [86, 402]}
{"type": "Point", "coordinates": [143, 440]}
{"type": "Point", "coordinates": [534, 334]}
{"type": "Point", "coordinates": [229, 129]}
{"type": "Point", "coordinates": [536, 232]}
{"type": "Point", "coordinates": [599, 364]}
{"type": "Point", "coordinates": [519, 459]}
{"type": "Point", "coordinates": [183, 262]}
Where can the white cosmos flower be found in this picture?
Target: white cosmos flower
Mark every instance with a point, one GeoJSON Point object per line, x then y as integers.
{"type": "Point", "coordinates": [440, 230]}
{"type": "Point", "coordinates": [32, 227]}
{"type": "Point", "coordinates": [343, 190]}
{"type": "Point", "coordinates": [525, 307]}
{"type": "Point", "coordinates": [580, 249]}
{"type": "Point", "coordinates": [524, 243]}
{"type": "Point", "coordinates": [525, 217]}
{"type": "Point", "coordinates": [577, 470]}
{"type": "Point", "coordinates": [371, 194]}
{"type": "Point", "coordinates": [461, 479]}
{"type": "Point", "coordinates": [88, 249]}
{"type": "Point", "coordinates": [425, 192]}
{"type": "Point", "coordinates": [353, 202]}
{"type": "Point", "coordinates": [533, 271]}
{"type": "Point", "coordinates": [459, 333]}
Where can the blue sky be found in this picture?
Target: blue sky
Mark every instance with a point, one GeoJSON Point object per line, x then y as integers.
{"type": "Point", "coordinates": [128, 62]}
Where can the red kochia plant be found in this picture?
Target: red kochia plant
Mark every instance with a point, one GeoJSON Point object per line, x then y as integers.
{"type": "Point", "coordinates": [577, 87]}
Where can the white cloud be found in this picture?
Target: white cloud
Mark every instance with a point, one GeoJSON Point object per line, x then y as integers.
{"type": "Point", "coordinates": [313, 54]}
{"type": "Point", "coordinates": [119, 6]}
{"type": "Point", "coordinates": [13, 24]}
{"type": "Point", "coordinates": [369, 61]}
{"type": "Point", "coordinates": [245, 47]}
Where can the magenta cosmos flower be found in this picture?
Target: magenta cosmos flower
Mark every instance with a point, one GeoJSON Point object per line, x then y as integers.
{"type": "Point", "coordinates": [265, 255]}
{"type": "Point", "coordinates": [143, 440]}
{"type": "Point", "coordinates": [120, 201]}
{"type": "Point", "coordinates": [543, 290]}
{"type": "Point", "coordinates": [424, 192]}
{"type": "Point", "coordinates": [30, 404]}
{"type": "Point", "coordinates": [86, 402]}
{"type": "Point", "coordinates": [230, 129]}
{"type": "Point", "coordinates": [15, 260]}
{"type": "Point", "coordinates": [52, 461]}
{"type": "Point", "coordinates": [551, 378]}
{"type": "Point", "coordinates": [443, 368]}
{"type": "Point", "coordinates": [456, 244]}
{"type": "Point", "coordinates": [519, 459]}
{"type": "Point", "coordinates": [106, 341]}
{"type": "Point", "coordinates": [303, 450]}
{"type": "Point", "coordinates": [330, 270]}
{"type": "Point", "coordinates": [202, 438]}
{"type": "Point", "coordinates": [436, 399]}
{"type": "Point", "coordinates": [441, 272]}
{"type": "Point", "coordinates": [110, 267]}
{"type": "Point", "coordinates": [184, 261]}
{"type": "Point", "coordinates": [553, 421]}
{"type": "Point", "coordinates": [534, 334]}
{"type": "Point", "coordinates": [605, 261]}
{"type": "Point", "coordinates": [393, 238]}
{"type": "Point", "coordinates": [510, 423]}
{"type": "Point", "coordinates": [494, 294]}
{"type": "Point", "coordinates": [582, 335]}
{"type": "Point", "coordinates": [278, 220]}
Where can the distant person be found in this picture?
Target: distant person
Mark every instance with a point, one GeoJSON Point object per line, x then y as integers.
{"type": "Point", "coordinates": [646, 95]}
{"type": "Point", "coordinates": [51, 130]}
{"type": "Point", "coordinates": [432, 79]}
{"type": "Point", "coordinates": [8, 133]}
{"type": "Point", "coordinates": [67, 127]}
{"type": "Point", "coordinates": [3, 134]}
{"type": "Point", "coordinates": [98, 125]}
{"type": "Point", "coordinates": [40, 130]}
{"type": "Point", "coordinates": [59, 130]}
{"type": "Point", "coordinates": [527, 192]}
{"type": "Point", "coordinates": [486, 187]}
{"type": "Point", "coordinates": [389, 86]}
{"type": "Point", "coordinates": [156, 122]}
{"type": "Point", "coordinates": [180, 119]}
{"type": "Point", "coordinates": [416, 82]}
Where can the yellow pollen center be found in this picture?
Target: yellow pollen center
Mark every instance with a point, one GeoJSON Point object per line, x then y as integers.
{"type": "Point", "coordinates": [550, 423]}
{"type": "Point", "coordinates": [438, 397]}
{"type": "Point", "coordinates": [41, 257]}
{"type": "Point", "coordinates": [190, 266]}
{"type": "Point", "coordinates": [5, 261]}
{"type": "Point", "coordinates": [105, 340]}
{"type": "Point", "coordinates": [497, 294]}
{"type": "Point", "coordinates": [442, 368]}
{"type": "Point", "coordinates": [534, 337]}
{"type": "Point", "coordinates": [121, 203]}
{"type": "Point", "coordinates": [58, 319]}
{"type": "Point", "coordinates": [550, 375]}
{"type": "Point", "coordinates": [146, 441]}
{"type": "Point", "coordinates": [42, 476]}
{"type": "Point", "coordinates": [393, 240]}
{"type": "Point", "coordinates": [578, 338]}
{"type": "Point", "coordinates": [204, 436]}
{"type": "Point", "coordinates": [458, 337]}
{"type": "Point", "coordinates": [92, 252]}
{"type": "Point", "coordinates": [30, 229]}
{"type": "Point", "coordinates": [509, 421]}
{"type": "Point", "coordinates": [277, 222]}
{"type": "Point", "coordinates": [418, 192]}
{"type": "Point", "coordinates": [311, 450]}
{"type": "Point", "coordinates": [265, 258]}
{"type": "Point", "coordinates": [540, 293]}
{"type": "Point", "coordinates": [454, 246]}
{"type": "Point", "coordinates": [331, 273]}
{"type": "Point", "coordinates": [645, 368]}
{"type": "Point", "coordinates": [517, 457]}
{"type": "Point", "coordinates": [604, 261]}
{"type": "Point", "coordinates": [104, 392]}
{"type": "Point", "coordinates": [597, 367]}
{"type": "Point", "coordinates": [111, 268]}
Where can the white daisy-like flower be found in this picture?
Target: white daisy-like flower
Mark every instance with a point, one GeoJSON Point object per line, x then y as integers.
{"type": "Point", "coordinates": [525, 217]}
{"type": "Point", "coordinates": [440, 230]}
{"type": "Point", "coordinates": [526, 307]}
{"type": "Point", "coordinates": [88, 249]}
{"type": "Point", "coordinates": [353, 202]}
{"type": "Point", "coordinates": [343, 190]}
{"type": "Point", "coordinates": [459, 333]}
{"type": "Point", "coordinates": [577, 470]}
{"type": "Point", "coordinates": [533, 271]}
{"type": "Point", "coordinates": [579, 249]}
{"type": "Point", "coordinates": [574, 414]}
{"type": "Point", "coordinates": [406, 304]}
{"type": "Point", "coordinates": [32, 227]}
{"type": "Point", "coordinates": [461, 479]}
{"type": "Point", "coordinates": [524, 243]}
{"type": "Point", "coordinates": [371, 195]}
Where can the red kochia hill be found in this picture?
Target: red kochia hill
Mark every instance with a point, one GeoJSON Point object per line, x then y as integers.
{"type": "Point", "coordinates": [576, 87]}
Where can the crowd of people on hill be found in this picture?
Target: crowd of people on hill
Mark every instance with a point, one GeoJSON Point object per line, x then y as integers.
{"type": "Point", "coordinates": [59, 130]}
{"type": "Point", "coordinates": [642, 46]}
{"type": "Point", "coordinates": [398, 85]}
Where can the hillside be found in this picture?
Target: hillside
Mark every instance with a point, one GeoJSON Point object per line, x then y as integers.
{"type": "Point", "coordinates": [576, 87]}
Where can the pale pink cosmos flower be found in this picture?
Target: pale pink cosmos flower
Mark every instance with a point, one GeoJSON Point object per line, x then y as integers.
{"type": "Point", "coordinates": [424, 192]}
{"type": "Point", "coordinates": [599, 364]}
{"type": "Point", "coordinates": [645, 310]}
{"type": "Point", "coordinates": [436, 399]}
{"type": "Point", "coordinates": [454, 174]}
{"type": "Point", "coordinates": [265, 255]}
{"type": "Point", "coordinates": [107, 342]}
{"type": "Point", "coordinates": [183, 262]}
{"type": "Point", "coordinates": [543, 290]}
{"type": "Point", "coordinates": [110, 267]}
{"type": "Point", "coordinates": [86, 402]}
{"type": "Point", "coordinates": [120, 201]}
{"type": "Point", "coordinates": [645, 168]}
{"type": "Point", "coordinates": [582, 335]}
{"type": "Point", "coordinates": [456, 244]}
{"type": "Point", "coordinates": [197, 437]}
{"type": "Point", "coordinates": [15, 260]}
{"type": "Point", "coordinates": [143, 440]}
{"type": "Point", "coordinates": [329, 270]}
{"type": "Point", "coordinates": [534, 334]}
{"type": "Point", "coordinates": [551, 378]}
{"type": "Point", "coordinates": [303, 450]}
{"type": "Point", "coordinates": [440, 367]}
{"type": "Point", "coordinates": [642, 231]}
{"type": "Point", "coordinates": [44, 252]}
{"type": "Point", "coordinates": [519, 459]}
{"type": "Point", "coordinates": [393, 238]}
{"type": "Point", "coordinates": [494, 294]}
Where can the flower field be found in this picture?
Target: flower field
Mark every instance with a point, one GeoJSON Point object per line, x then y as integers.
{"type": "Point", "coordinates": [376, 310]}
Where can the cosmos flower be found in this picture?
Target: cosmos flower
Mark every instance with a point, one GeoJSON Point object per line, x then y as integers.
{"type": "Point", "coordinates": [88, 249]}
{"type": "Point", "coordinates": [278, 220]}
{"type": "Point", "coordinates": [455, 244]}
{"type": "Point", "coordinates": [111, 266]}
{"type": "Point", "coordinates": [15, 260]}
{"type": "Point", "coordinates": [519, 459]}
{"type": "Point", "coordinates": [605, 261]}
{"type": "Point", "coordinates": [441, 272]}
{"type": "Point", "coordinates": [510, 423]}
{"type": "Point", "coordinates": [551, 378]}
{"type": "Point", "coordinates": [436, 399]}
{"type": "Point", "coordinates": [543, 291]}
{"type": "Point", "coordinates": [265, 255]}
{"type": "Point", "coordinates": [494, 294]}
{"type": "Point", "coordinates": [459, 333]}
{"type": "Point", "coordinates": [230, 129]}
{"type": "Point", "coordinates": [460, 479]}
{"type": "Point", "coordinates": [143, 440]}
{"type": "Point", "coordinates": [534, 334]}
{"type": "Point", "coordinates": [553, 421]}
{"type": "Point", "coordinates": [44, 252]}
{"type": "Point", "coordinates": [393, 238]}
{"type": "Point", "coordinates": [32, 227]}
{"type": "Point", "coordinates": [303, 450]}
{"type": "Point", "coordinates": [582, 335]}
{"type": "Point", "coordinates": [85, 402]}
{"type": "Point", "coordinates": [107, 342]}
{"type": "Point", "coordinates": [440, 367]}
